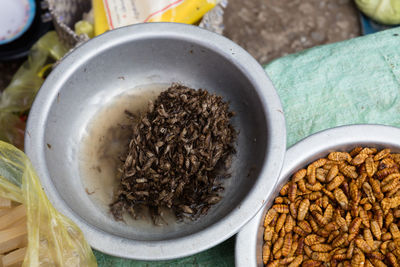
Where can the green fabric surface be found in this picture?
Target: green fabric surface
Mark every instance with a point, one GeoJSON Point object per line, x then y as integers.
{"type": "Point", "coordinates": [356, 81]}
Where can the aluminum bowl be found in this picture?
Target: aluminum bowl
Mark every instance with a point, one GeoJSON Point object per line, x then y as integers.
{"type": "Point", "coordinates": [91, 76]}
{"type": "Point", "coordinates": [249, 241]}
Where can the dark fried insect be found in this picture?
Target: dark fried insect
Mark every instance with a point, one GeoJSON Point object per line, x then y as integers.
{"type": "Point", "coordinates": [178, 153]}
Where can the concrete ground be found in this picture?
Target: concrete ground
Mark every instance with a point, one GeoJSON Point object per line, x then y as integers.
{"type": "Point", "coordinates": [269, 29]}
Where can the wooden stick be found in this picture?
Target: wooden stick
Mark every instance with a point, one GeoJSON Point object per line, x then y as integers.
{"type": "Point", "coordinates": [24, 242]}
{"type": "Point", "coordinates": [11, 217]}
{"type": "Point", "coordinates": [2, 212]}
{"type": "Point", "coordinates": [19, 222]}
{"type": "Point", "coordinates": [12, 237]}
{"type": "Point", "coordinates": [14, 258]}
{"type": "Point", "coordinates": [11, 232]}
{"type": "Point", "coordinates": [13, 243]}
{"type": "Point", "coordinates": [5, 203]}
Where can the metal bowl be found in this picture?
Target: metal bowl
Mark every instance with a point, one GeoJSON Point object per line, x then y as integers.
{"type": "Point", "coordinates": [249, 241]}
{"type": "Point", "coordinates": [93, 75]}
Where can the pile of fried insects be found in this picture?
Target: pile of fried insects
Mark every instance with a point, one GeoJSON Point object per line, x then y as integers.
{"type": "Point", "coordinates": [179, 153]}
{"type": "Point", "coordinates": [343, 210]}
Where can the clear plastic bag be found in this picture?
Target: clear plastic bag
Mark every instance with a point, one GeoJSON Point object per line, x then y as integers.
{"type": "Point", "coordinates": [53, 239]}
{"type": "Point", "coordinates": [17, 98]}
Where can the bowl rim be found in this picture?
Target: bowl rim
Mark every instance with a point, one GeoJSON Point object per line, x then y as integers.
{"type": "Point", "coordinates": [215, 233]}
{"type": "Point", "coordinates": [311, 148]}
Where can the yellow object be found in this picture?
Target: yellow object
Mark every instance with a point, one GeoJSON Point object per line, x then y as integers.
{"type": "Point", "coordinates": [112, 14]}
{"type": "Point", "coordinates": [53, 239]}
{"type": "Point", "coordinates": [189, 12]}
{"type": "Point", "coordinates": [45, 71]}
{"type": "Point", "coordinates": [84, 27]}
{"type": "Point", "coordinates": [100, 18]}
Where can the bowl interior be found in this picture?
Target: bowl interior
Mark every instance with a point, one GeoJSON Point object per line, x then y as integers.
{"type": "Point", "coordinates": [306, 157]}
{"type": "Point", "coordinates": [127, 68]}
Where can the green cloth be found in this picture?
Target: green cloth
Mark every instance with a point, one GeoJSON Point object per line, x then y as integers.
{"type": "Point", "coordinates": [356, 81]}
{"type": "Point", "coordinates": [221, 256]}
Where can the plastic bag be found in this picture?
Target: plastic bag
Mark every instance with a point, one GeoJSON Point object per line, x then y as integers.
{"type": "Point", "coordinates": [112, 14]}
{"type": "Point", "coordinates": [53, 239]}
{"type": "Point", "coordinates": [17, 98]}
